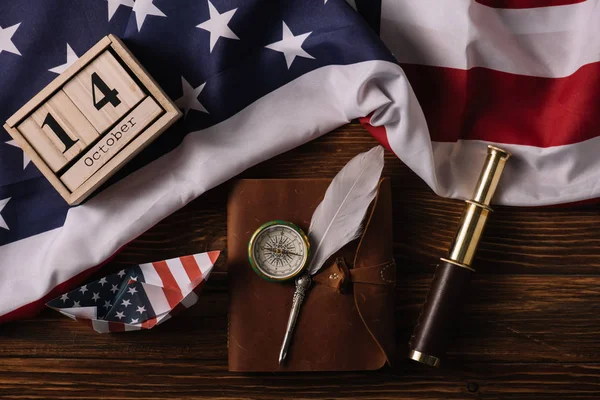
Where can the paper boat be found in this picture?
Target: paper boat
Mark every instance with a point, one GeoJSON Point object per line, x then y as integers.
{"type": "Point", "coordinates": [139, 297]}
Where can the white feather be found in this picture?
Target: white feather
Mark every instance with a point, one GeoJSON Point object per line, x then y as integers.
{"type": "Point", "coordinates": [338, 219]}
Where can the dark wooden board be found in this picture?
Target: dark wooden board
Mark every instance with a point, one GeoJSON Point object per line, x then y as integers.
{"type": "Point", "coordinates": [529, 330]}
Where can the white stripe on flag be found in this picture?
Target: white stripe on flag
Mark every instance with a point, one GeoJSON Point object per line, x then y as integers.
{"type": "Point", "coordinates": [463, 34]}
{"type": "Point", "coordinates": [178, 272]}
{"type": "Point", "coordinates": [133, 327]}
{"type": "Point", "coordinates": [157, 298]}
{"type": "Point", "coordinates": [81, 312]}
{"type": "Point", "coordinates": [100, 326]}
{"type": "Point", "coordinates": [150, 275]}
{"type": "Point", "coordinates": [205, 264]}
{"type": "Point", "coordinates": [67, 315]}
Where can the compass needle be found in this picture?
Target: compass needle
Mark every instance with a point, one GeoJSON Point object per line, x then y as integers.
{"type": "Point", "coordinates": [278, 251]}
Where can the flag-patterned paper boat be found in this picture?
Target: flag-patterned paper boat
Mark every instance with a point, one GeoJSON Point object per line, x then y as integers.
{"type": "Point", "coordinates": [139, 297]}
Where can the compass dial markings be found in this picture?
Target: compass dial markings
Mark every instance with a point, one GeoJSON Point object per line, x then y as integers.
{"type": "Point", "coordinates": [279, 251]}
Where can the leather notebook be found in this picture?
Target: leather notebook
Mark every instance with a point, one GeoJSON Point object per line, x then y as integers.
{"type": "Point", "coordinates": [347, 320]}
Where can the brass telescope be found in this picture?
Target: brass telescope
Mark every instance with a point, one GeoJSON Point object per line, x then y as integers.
{"type": "Point", "coordinates": [432, 332]}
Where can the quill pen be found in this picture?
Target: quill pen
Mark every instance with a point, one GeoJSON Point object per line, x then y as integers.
{"type": "Point", "coordinates": [337, 220]}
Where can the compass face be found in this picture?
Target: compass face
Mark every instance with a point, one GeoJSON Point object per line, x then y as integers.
{"type": "Point", "coordinates": [278, 250]}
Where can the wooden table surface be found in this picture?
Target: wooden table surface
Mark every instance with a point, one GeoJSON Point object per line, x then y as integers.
{"type": "Point", "coordinates": [530, 329]}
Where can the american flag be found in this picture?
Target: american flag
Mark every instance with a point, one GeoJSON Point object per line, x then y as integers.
{"type": "Point", "coordinates": [256, 78]}
{"type": "Point", "coordinates": [520, 74]}
{"type": "Point", "coordinates": [139, 297]}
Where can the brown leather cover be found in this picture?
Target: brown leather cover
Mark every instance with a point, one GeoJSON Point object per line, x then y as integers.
{"type": "Point", "coordinates": [342, 325]}
{"type": "Point", "coordinates": [440, 311]}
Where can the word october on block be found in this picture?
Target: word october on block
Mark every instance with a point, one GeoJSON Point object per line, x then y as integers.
{"type": "Point", "coordinates": [92, 119]}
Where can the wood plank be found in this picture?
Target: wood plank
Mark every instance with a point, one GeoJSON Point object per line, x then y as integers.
{"type": "Point", "coordinates": [529, 330]}
{"type": "Point", "coordinates": [158, 379]}
{"type": "Point", "coordinates": [557, 240]}
{"type": "Point", "coordinates": [508, 318]}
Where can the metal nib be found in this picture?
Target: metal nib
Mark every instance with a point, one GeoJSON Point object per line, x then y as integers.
{"type": "Point", "coordinates": [302, 284]}
{"type": "Point", "coordinates": [282, 356]}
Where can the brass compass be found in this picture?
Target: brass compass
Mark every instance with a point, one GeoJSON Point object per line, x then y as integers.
{"type": "Point", "coordinates": [278, 251]}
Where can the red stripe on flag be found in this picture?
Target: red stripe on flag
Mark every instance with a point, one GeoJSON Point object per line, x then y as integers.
{"type": "Point", "coordinates": [149, 323]}
{"type": "Point", "coordinates": [116, 326]}
{"type": "Point", "coordinates": [171, 289]}
{"type": "Point", "coordinates": [378, 132]}
{"type": "Point", "coordinates": [213, 255]}
{"type": "Point", "coordinates": [527, 3]}
{"type": "Point", "coordinates": [163, 271]}
{"type": "Point", "coordinates": [483, 104]}
{"type": "Point", "coordinates": [191, 267]}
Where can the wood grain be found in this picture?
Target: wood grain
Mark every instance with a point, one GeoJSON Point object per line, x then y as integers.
{"type": "Point", "coordinates": [45, 139]}
{"type": "Point", "coordinates": [529, 330]}
{"type": "Point", "coordinates": [112, 142]}
{"type": "Point", "coordinates": [86, 95]}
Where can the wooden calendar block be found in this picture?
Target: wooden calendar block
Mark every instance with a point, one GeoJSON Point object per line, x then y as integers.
{"type": "Point", "coordinates": [110, 144]}
{"type": "Point", "coordinates": [58, 131]}
{"type": "Point", "coordinates": [92, 119]}
{"type": "Point", "coordinates": [104, 91]}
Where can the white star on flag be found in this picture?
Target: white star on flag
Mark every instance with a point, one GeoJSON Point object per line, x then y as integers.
{"type": "Point", "coordinates": [107, 305]}
{"type": "Point", "coordinates": [113, 5]}
{"type": "Point", "coordinates": [83, 289]}
{"type": "Point", "coordinates": [218, 26]}
{"type": "Point", "coordinates": [132, 290]}
{"type": "Point", "coordinates": [71, 58]}
{"type": "Point", "coordinates": [189, 100]}
{"type": "Point", "coordinates": [3, 223]}
{"type": "Point", "coordinates": [134, 320]}
{"type": "Point", "coordinates": [126, 303]}
{"type": "Point", "coordinates": [142, 9]}
{"type": "Point", "coordinates": [133, 278]}
{"type": "Point", "coordinates": [96, 296]}
{"type": "Point", "coordinates": [114, 288]}
{"type": "Point", "coordinates": [76, 304]}
{"type": "Point", "coordinates": [26, 159]}
{"type": "Point", "coordinates": [6, 43]}
{"type": "Point", "coordinates": [64, 297]}
{"type": "Point", "coordinates": [102, 281]}
{"type": "Point", "coordinates": [120, 315]}
{"type": "Point", "coordinates": [141, 309]}
{"type": "Point", "coordinates": [290, 45]}
{"type": "Point", "coordinates": [121, 273]}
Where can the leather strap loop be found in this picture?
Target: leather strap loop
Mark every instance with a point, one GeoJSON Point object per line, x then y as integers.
{"type": "Point", "coordinates": [335, 276]}
{"type": "Point", "coordinates": [338, 276]}
{"type": "Point", "coordinates": [382, 274]}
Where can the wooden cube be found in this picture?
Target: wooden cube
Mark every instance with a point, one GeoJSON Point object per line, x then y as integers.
{"type": "Point", "coordinates": [58, 131]}
{"type": "Point", "coordinates": [103, 91]}
{"type": "Point", "coordinates": [92, 119]}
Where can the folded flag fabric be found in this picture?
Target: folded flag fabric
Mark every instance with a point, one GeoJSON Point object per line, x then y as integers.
{"type": "Point", "coordinates": [523, 75]}
{"type": "Point", "coordinates": [139, 297]}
